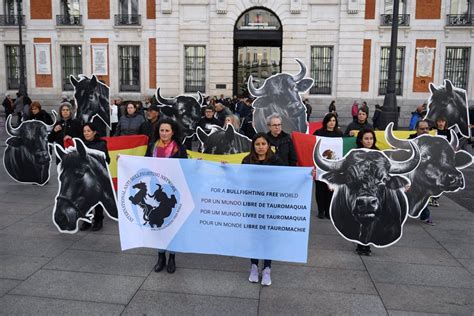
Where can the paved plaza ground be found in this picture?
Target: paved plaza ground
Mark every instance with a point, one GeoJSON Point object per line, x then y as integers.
{"type": "Point", "coordinates": [42, 272]}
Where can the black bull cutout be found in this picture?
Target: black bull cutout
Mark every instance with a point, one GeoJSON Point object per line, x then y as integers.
{"type": "Point", "coordinates": [223, 141]}
{"type": "Point", "coordinates": [280, 94]}
{"type": "Point", "coordinates": [26, 158]}
{"type": "Point", "coordinates": [84, 182]}
{"type": "Point", "coordinates": [92, 99]}
{"type": "Point", "coordinates": [451, 103]}
{"type": "Point", "coordinates": [369, 205]}
{"type": "Point", "coordinates": [439, 169]}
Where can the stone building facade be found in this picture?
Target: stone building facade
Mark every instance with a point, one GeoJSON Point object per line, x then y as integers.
{"type": "Point", "coordinates": [181, 45]}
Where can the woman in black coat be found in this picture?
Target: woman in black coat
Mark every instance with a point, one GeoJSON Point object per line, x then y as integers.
{"type": "Point", "coordinates": [67, 127]}
{"type": "Point", "coordinates": [323, 194]}
{"type": "Point", "coordinates": [93, 141]}
{"type": "Point", "coordinates": [168, 145]}
{"type": "Point", "coordinates": [261, 154]}
{"type": "Point", "coordinates": [36, 113]}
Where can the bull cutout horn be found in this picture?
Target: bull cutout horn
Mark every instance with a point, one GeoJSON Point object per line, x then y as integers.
{"type": "Point", "coordinates": [163, 100]}
{"type": "Point", "coordinates": [400, 167]}
{"type": "Point", "coordinates": [302, 72]}
{"type": "Point", "coordinates": [12, 131]}
{"type": "Point", "coordinates": [323, 163]}
{"type": "Point", "coordinates": [254, 91]}
{"type": "Point", "coordinates": [454, 142]}
{"type": "Point", "coordinates": [200, 98]}
{"type": "Point", "coordinates": [55, 118]}
{"type": "Point", "coordinates": [393, 141]}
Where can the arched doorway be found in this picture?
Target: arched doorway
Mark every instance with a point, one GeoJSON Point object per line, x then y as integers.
{"type": "Point", "coordinates": [257, 48]}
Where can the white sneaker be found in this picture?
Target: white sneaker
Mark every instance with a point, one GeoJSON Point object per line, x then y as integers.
{"type": "Point", "coordinates": [253, 277]}
{"type": "Point", "coordinates": [266, 278]}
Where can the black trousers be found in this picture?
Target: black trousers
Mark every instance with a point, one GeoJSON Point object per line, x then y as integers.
{"type": "Point", "coordinates": [98, 213]}
{"type": "Point", "coordinates": [266, 263]}
{"type": "Point", "coordinates": [323, 198]}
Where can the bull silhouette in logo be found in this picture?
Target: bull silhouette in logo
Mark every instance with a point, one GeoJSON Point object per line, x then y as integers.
{"type": "Point", "coordinates": [280, 94]}
{"type": "Point", "coordinates": [153, 216]}
{"type": "Point", "coordinates": [92, 99]}
{"type": "Point", "coordinates": [449, 102]}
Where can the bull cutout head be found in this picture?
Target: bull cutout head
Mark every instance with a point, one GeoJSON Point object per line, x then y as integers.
{"type": "Point", "coordinates": [280, 94]}
{"type": "Point", "coordinates": [223, 141]}
{"type": "Point", "coordinates": [184, 109]}
{"type": "Point", "coordinates": [369, 205]}
{"type": "Point", "coordinates": [84, 182]}
{"type": "Point", "coordinates": [92, 99]}
{"type": "Point", "coordinates": [439, 169]}
{"type": "Point", "coordinates": [26, 157]}
{"type": "Point", "coordinates": [449, 102]}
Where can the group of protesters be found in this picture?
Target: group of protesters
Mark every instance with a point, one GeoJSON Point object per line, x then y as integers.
{"type": "Point", "coordinates": [272, 148]}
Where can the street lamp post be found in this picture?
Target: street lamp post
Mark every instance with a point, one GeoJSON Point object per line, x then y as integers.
{"type": "Point", "coordinates": [22, 88]}
{"type": "Point", "coordinates": [389, 109]}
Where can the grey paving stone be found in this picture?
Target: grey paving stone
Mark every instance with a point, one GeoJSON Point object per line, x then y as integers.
{"type": "Point", "coordinates": [162, 303]}
{"type": "Point", "coordinates": [30, 246]}
{"type": "Point", "coordinates": [14, 197]}
{"type": "Point", "coordinates": [203, 282]}
{"type": "Point", "coordinates": [280, 301]}
{"type": "Point", "coordinates": [40, 230]}
{"type": "Point", "coordinates": [212, 262]}
{"type": "Point", "coordinates": [406, 313]}
{"type": "Point", "coordinates": [413, 255]}
{"type": "Point", "coordinates": [110, 227]}
{"type": "Point", "coordinates": [24, 305]}
{"type": "Point", "coordinates": [420, 239]}
{"type": "Point", "coordinates": [308, 278]}
{"type": "Point", "coordinates": [20, 267]}
{"type": "Point", "coordinates": [15, 208]}
{"type": "Point", "coordinates": [6, 285]}
{"type": "Point", "coordinates": [337, 259]}
{"type": "Point", "coordinates": [450, 224]}
{"type": "Point", "coordinates": [80, 286]}
{"type": "Point", "coordinates": [426, 299]}
{"type": "Point", "coordinates": [330, 242]}
{"type": "Point", "coordinates": [459, 250]}
{"type": "Point", "coordinates": [103, 262]}
{"type": "Point", "coordinates": [7, 219]}
{"type": "Point", "coordinates": [468, 264]}
{"type": "Point", "coordinates": [418, 274]}
{"type": "Point", "coordinates": [108, 243]}
{"type": "Point", "coordinates": [323, 227]}
{"type": "Point", "coordinates": [453, 236]}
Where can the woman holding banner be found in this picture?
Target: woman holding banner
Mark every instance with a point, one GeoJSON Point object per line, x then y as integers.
{"type": "Point", "coordinates": [261, 154]}
{"type": "Point", "coordinates": [365, 139]}
{"type": "Point", "coordinates": [323, 194]}
{"type": "Point", "coordinates": [168, 145]}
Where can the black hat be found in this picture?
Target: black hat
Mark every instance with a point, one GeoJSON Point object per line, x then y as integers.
{"type": "Point", "coordinates": [153, 107]}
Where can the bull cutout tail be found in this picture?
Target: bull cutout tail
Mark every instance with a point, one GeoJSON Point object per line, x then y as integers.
{"type": "Point", "coordinates": [280, 94]}
{"type": "Point", "coordinates": [84, 183]}
{"type": "Point", "coordinates": [452, 103]}
{"type": "Point", "coordinates": [26, 158]}
{"type": "Point", "coordinates": [92, 99]}
{"type": "Point", "coordinates": [439, 170]}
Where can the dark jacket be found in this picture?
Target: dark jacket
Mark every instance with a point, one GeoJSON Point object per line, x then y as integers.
{"type": "Point", "coordinates": [222, 115]}
{"type": "Point", "coordinates": [206, 123]}
{"type": "Point", "coordinates": [356, 126]}
{"type": "Point", "coordinates": [272, 161]}
{"type": "Point", "coordinates": [42, 116]}
{"type": "Point", "coordinates": [283, 148]}
{"type": "Point", "coordinates": [325, 133]}
{"type": "Point", "coordinates": [70, 127]}
{"type": "Point", "coordinates": [444, 132]}
{"type": "Point", "coordinates": [129, 125]}
{"type": "Point", "coordinates": [98, 144]}
{"type": "Point", "coordinates": [376, 117]}
{"type": "Point", "coordinates": [148, 128]}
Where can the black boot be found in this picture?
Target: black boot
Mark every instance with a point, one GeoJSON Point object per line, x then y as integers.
{"type": "Point", "coordinates": [171, 268]}
{"type": "Point", "coordinates": [161, 262]}
{"type": "Point", "coordinates": [85, 226]}
{"type": "Point", "coordinates": [96, 225]}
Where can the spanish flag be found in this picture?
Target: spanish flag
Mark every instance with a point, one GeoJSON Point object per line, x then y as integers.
{"type": "Point", "coordinates": [234, 158]}
{"type": "Point", "coordinates": [134, 145]}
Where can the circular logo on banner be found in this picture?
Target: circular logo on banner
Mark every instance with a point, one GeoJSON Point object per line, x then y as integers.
{"type": "Point", "coordinates": [150, 199]}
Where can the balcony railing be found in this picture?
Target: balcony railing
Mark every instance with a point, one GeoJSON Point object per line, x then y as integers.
{"type": "Point", "coordinates": [386, 19]}
{"type": "Point", "coordinates": [11, 20]}
{"type": "Point", "coordinates": [128, 19]}
{"type": "Point", "coordinates": [72, 20]}
{"type": "Point", "coordinates": [460, 20]}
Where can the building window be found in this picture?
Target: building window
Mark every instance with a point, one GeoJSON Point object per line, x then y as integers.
{"type": "Point", "coordinates": [70, 13]}
{"type": "Point", "coordinates": [387, 17]}
{"type": "Point", "coordinates": [194, 68]}
{"type": "Point", "coordinates": [10, 17]}
{"type": "Point", "coordinates": [129, 68]}
{"type": "Point", "coordinates": [461, 13]}
{"type": "Point", "coordinates": [384, 55]}
{"type": "Point", "coordinates": [456, 66]}
{"type": "Point", "coordinates": [128, 13]}
{"type": "Point", "coordinates": [12, 53]}
{"type": "Point", "coordinates": [71, 64]}
{"type": "Point", "coordinates": [321, 69]}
